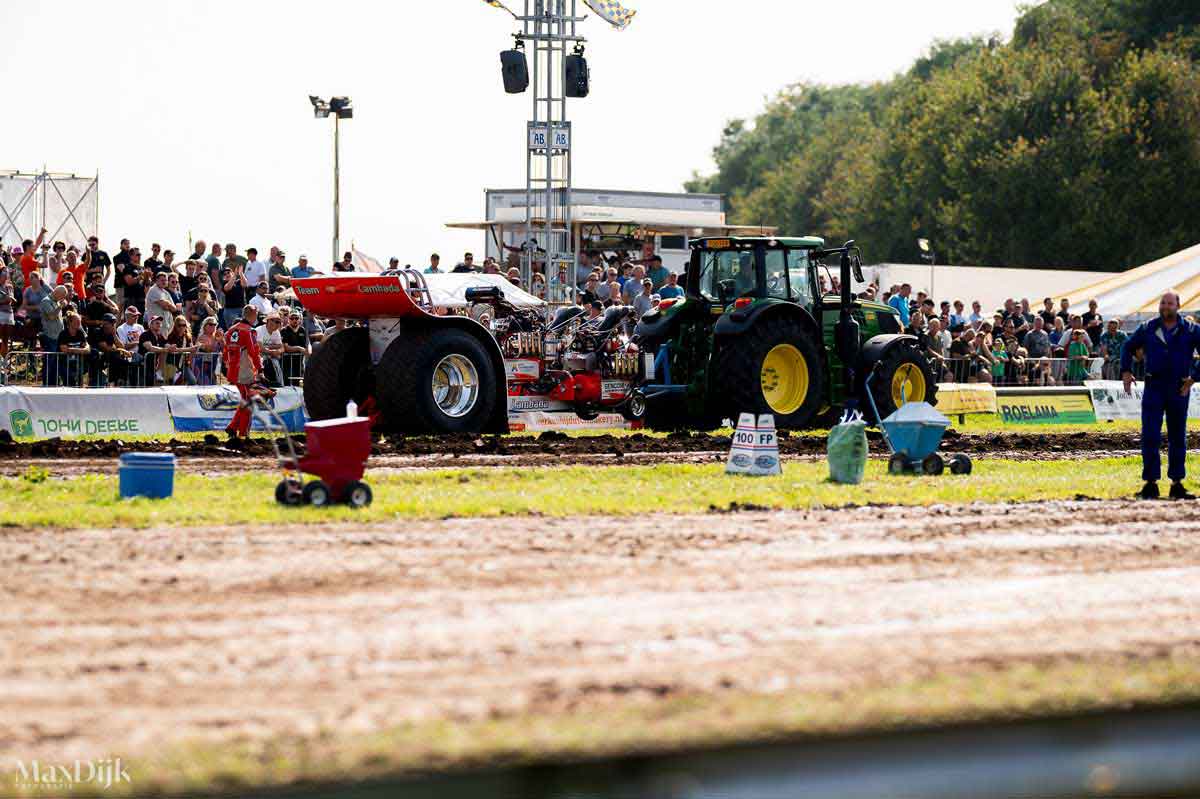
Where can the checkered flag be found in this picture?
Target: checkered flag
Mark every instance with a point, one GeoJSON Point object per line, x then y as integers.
{"type": "Point", "coordinates": [612, 12]}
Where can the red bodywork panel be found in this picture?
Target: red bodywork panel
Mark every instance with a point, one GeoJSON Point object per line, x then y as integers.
{"type": "Point", "coordinates": [357, 296]}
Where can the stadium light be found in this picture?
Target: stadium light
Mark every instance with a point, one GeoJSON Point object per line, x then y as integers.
{"type": "Point", "coordinates": [339, 108]}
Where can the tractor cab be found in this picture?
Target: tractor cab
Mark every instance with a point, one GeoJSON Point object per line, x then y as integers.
{"type": "Point", "coordinates": [734, 273]}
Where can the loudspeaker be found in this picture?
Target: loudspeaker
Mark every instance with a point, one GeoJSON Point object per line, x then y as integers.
{"type": "Point", "coordinates": [577, 76]}
{"type": "Point", "coordinates": [515, 71]}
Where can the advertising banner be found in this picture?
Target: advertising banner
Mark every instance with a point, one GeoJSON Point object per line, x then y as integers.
{"type": "Point", "coordinates": [956, 399]}
{"type": "Point", "coordinates": [208, 408]}
{"type": "Point", "coordinates": [1042, 407]}
{"type": "Point", "coordinates": [540, 420]}
{"type": "Point", "coordinates": [1112, 403]}
{"type": "Point", "coordinates": [28, 412]}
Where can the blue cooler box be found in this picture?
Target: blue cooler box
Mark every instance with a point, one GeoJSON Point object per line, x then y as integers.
{"type": "Point", "coordinates": [146, 474]}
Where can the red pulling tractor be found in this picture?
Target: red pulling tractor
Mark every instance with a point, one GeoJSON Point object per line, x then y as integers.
{"type": "Point", "coordinates": [414, 367]}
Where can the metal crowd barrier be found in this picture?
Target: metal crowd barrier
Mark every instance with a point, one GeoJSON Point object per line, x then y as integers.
{"type": "Point", "coordinates": [1030, 371]}
{"type": "Point", "coordinates": [100, 370]}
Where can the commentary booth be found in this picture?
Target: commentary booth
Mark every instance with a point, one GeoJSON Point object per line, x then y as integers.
{"type": "Point", "coordinates": [613, 220]}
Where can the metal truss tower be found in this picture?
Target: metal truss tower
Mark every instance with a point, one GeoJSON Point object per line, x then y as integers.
{"type": "Point", "coordinates": [550, 27]}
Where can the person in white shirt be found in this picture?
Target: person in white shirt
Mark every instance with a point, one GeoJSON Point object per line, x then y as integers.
{"type": "Point", "coordinates": [256, 270]}
{"type": "Point", "coordinates": [130, 330]}
{"type": "Point", "coordinates": [270, 339]}
{"type": "Point", "coordinates": [262, 299]}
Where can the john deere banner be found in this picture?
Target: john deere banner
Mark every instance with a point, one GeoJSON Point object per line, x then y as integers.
{"type": "Point", "coordinates": [956, 399]}
{"type": "Point", "coordinates": [1112, 403]}
{"type": "Point", "coordinates": [73, 413]}
{"type": "Point", "coordinates": [206, 408]}
{"type": "Point", "coordinates": [1044, 406]}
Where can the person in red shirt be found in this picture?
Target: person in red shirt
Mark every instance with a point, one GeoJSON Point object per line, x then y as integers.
{"type": "Point", "coordinates": [73, 272]}
{"type": "Point", "coordinates": [29, 261]}
{"type": "Point", "coordinates": [243, 367]}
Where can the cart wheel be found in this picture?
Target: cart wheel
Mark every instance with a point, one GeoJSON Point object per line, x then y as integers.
{"type": "Point", "coordinates": [317, 494]}
{"type": "Point", "coordinates": [960, 464]}
{"type": "Point", "coordinates": [289, 492]}
{"type": "Point", "coordinates": [933, 465]}
{"type": "Point", "coordinates": [358, 495]}
{"type": "Point", "coordinates": [897, 464]}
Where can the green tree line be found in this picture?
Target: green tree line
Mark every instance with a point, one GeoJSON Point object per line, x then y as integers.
{"type": "Point", "coordinates": [1076, 143]}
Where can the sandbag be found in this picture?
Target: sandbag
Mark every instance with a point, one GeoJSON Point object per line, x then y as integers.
{"type": "Point", "coordinates": [847, 450]}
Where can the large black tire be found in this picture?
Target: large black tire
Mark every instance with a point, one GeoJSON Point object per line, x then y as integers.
{"type": "Point", "coordinates": [903, 364]}
{"type": "Point", "coordinates": [338, 371]}
{"type": "Point", "coordinates": [405, 382]}
{"type": "Point", "coordinates": [747, 376]}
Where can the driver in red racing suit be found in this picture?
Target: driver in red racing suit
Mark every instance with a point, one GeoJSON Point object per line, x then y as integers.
{"type": "Point", "coordinates": [243, 367]}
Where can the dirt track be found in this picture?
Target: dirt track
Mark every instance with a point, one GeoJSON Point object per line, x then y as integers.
{"type": "Point", "coordinates": [117, 642]}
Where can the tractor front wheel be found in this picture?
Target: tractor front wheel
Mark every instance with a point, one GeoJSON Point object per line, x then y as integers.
{"type": "Point", "coordinates": [775, 367]}
{"type": "Point", "coordinates": [903, 375]}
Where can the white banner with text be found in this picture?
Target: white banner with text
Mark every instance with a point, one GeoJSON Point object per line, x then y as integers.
{"type": "Point", "coordinates": [28, 412]}
{"type": "Point", "coordinates": [1112, 403]}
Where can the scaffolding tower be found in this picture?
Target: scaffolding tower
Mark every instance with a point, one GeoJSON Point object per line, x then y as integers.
{"type": "Point", "coordinates": [67, 205]}
{"type": "Point", "coordinates": [549, 26]}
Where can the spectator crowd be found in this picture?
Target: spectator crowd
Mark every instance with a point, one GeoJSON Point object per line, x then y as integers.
{"type": "Point", "coordinates": [153, 318]}
{"type": "Point", "coordinates": [1012, 345]}
{"type": "Point", "coordinates": [71, 317]}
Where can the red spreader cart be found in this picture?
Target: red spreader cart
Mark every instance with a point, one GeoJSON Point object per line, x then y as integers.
{"type": "Point", "coordinates": [337, 452]}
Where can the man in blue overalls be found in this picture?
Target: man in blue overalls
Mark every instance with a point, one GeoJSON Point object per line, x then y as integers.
{"type": "Point", "coordinates": [1170, 344]}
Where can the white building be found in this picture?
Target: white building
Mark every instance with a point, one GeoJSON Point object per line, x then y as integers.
{"type": "Point", "coordinates": [608, 220]}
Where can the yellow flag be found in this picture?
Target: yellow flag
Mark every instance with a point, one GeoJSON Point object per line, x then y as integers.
{"type": "Point", "coordinates": [612, 12]}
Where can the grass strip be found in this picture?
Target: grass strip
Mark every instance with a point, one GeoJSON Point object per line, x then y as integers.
{"type": "Point", "coordinates": [91, 501]}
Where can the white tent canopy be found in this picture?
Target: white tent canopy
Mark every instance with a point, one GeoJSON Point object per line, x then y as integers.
{"type": "Point", "coordinates": [450, 290]}
{"type": "Point", "coordinates": [1138, 291]}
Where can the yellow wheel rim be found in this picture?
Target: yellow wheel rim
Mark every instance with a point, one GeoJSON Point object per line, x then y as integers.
{"type": "Point", "coordinates": [908, 384]}
{"type": "Point", "coordinates": [785, 379]}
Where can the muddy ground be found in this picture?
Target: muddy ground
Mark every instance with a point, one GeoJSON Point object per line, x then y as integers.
{"type": "Point", "coordinates": [122, 642]}
{"type": "Point", "coordinates": [552, 448]}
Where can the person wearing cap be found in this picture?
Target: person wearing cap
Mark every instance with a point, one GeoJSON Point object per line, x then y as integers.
{"type": "Point", "coordinates": [302, 270]}
{"type": "Point", "coordinates": [296, 346]}
{"type": "Point", "coordinates": [279, 277]}
{"type": "Point", "coordinates": [262, 299]}
{"type": "Point", "coordinates": [270, 341]}
{"type": "Point", "coordinates": [97, 306]}
{"type": "Point", "coordinates": [243, 368]}
{"type": "Point", "coordinates": [130, 331]}
{"type": "Point", "coordinates": [110, 358]}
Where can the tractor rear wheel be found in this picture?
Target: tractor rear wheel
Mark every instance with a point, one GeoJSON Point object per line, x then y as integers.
{"type": "Point", "coordinates": [904, 376]}
{"type": "Point", "coordinates": [775, 367]}
{"type": "Point", "coordinates": [338, 371]}
{"type": "Point", "coordinates": [437, 381]}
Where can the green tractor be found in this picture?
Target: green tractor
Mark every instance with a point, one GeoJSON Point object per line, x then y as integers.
{"type": "Point", "coordinates": [754, 333]}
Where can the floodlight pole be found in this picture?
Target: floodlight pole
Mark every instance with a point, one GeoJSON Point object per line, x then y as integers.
{"type": "Point", "coordinates": [337, 187]}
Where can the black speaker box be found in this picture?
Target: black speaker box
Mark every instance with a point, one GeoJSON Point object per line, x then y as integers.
{"type": "Point", "coordinates": [577, 76]}
{"type": "Point", "coordinates": [515, 70]}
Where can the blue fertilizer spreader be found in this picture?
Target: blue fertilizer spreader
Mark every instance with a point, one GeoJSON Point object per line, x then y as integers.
{"type": "Point", "coordinates": [913, 433]}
